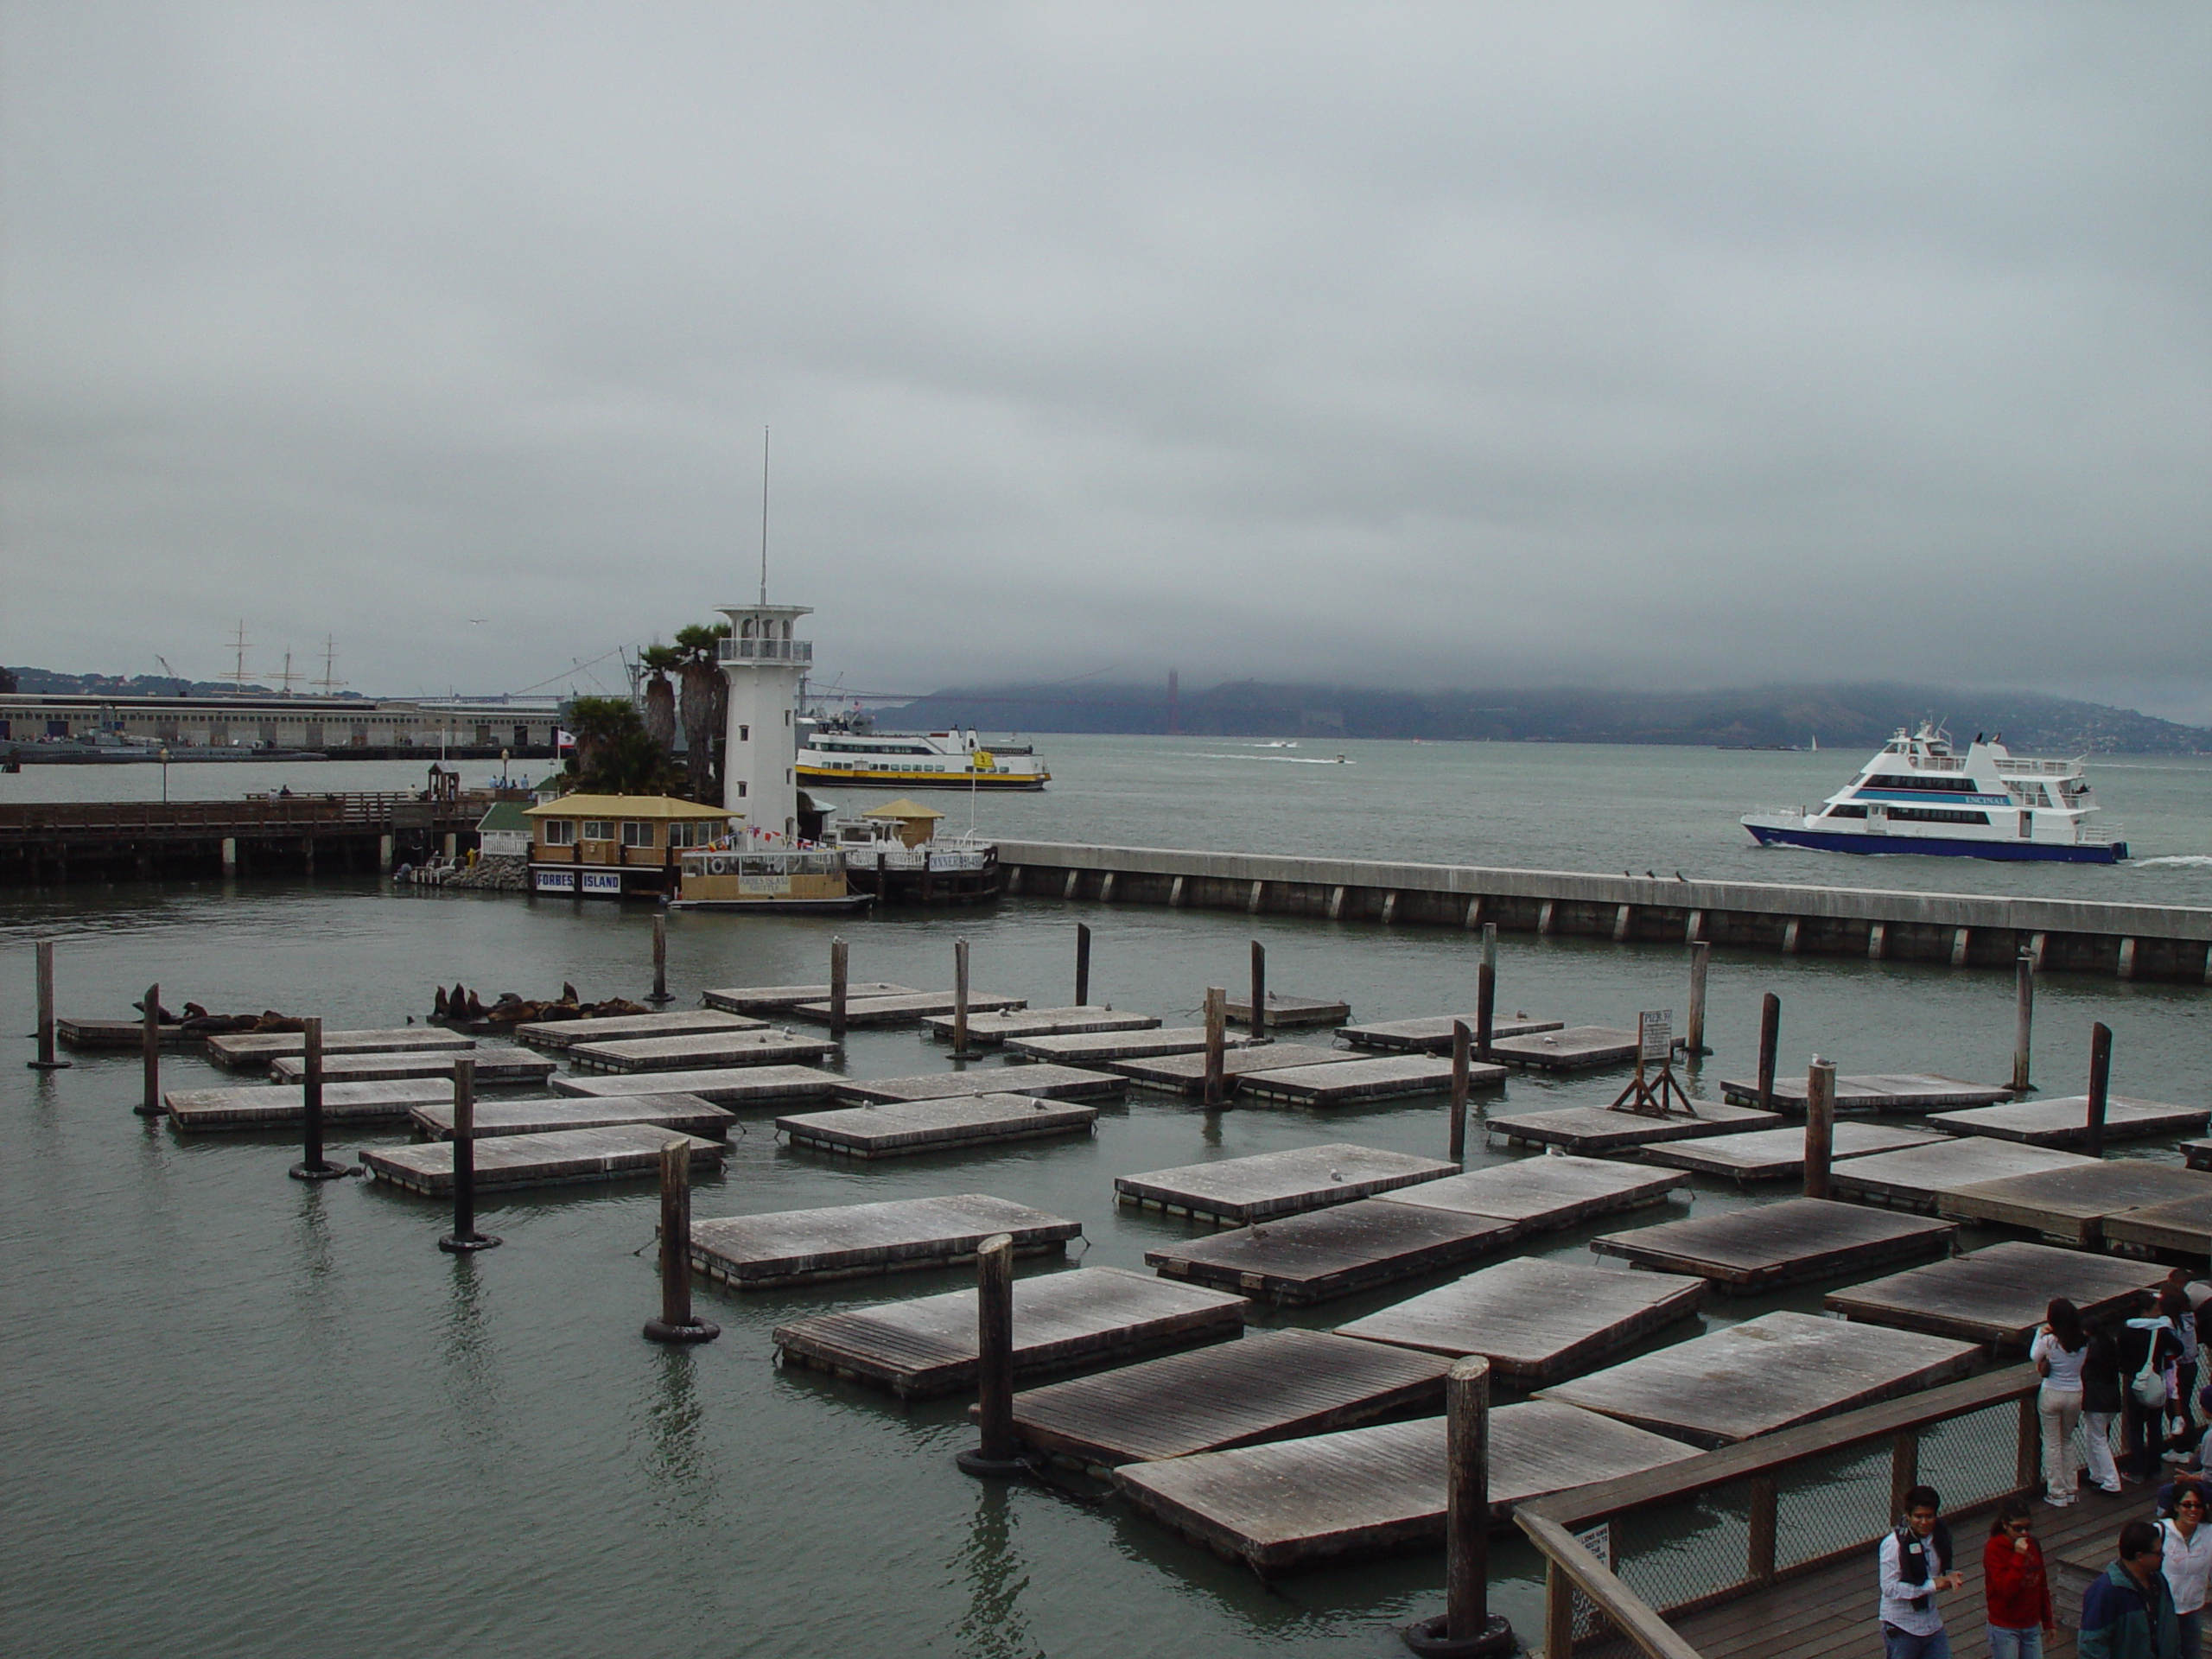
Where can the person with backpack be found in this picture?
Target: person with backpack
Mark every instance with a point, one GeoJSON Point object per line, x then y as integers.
{"type": "Point", "coordinates": [2059, 1350]}
{"type": "Point", "coordinates": [1914, 1565]}
{"type": "Point", "coordinates": [2016, 1587]}
{"type": "Point", "coordinates": [2148, 1349]}
{"type": "Point", "coordinates": [2128, 1611]}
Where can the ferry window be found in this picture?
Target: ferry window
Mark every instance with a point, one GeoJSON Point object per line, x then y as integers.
{"type": "Point", "coordinates": [1936, 815]}
{"type": "Point", "coordinates": [1846, 812]}
{"type": "Point", "coordinates": [560, 832]}
{"type": "Point", "coordinates": [599, 829]}
{"type": "Point", "coordinates": [635, 833]}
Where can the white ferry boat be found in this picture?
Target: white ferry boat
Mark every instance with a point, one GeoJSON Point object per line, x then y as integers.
{"type": "Point", "coordinates": [1917, 796]}
{"type": "Point", "coordinates": [845, 750]}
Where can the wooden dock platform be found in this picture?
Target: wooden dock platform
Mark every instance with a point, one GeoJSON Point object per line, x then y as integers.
{"type": "Point", "coordinates": [909, 1008]}
{"type": "Point", "coordinates": [1102, 1048]}
{"type": "Point", "coordinates": [859, 1240]}
{"type": "Point", "coordinates": [128, 1035]}
{"type": "Point", "coordinates": [252, 1051]}
{"type": "Point", "coordinates": [1433, 1035]}
{"type": "Point", "coordinates": [1537, 1321]}
{"type": "Point", "coordinates": [1772, 1246]}
{"type": "Point", "coordinates": [1061, 1321]}
{"type": "Point", "coordinates": [1600, 1129]}
{"type": "Point", "coordinates": [1292, 1505]}
{"type": "Point", "coordinates": [496, 1068]}
{"type": "Point", "coordinates": [1567, 1048]}
{"type": "Point", "coordinates": [1039, 1080]}
{"type": "Point", "coordinates": [1544, 1193]}
{"type": "Point", "coordinates": [739, 1085]}
{"type": "Point", "coordinates": [558, 1157]}
{"type": "Point", "coordinates": [703, 1051]}
{"type": "Point", "coordinates": [1288, 1013]}
{"type": "Point", "coordinates": [1383, 1077]}
{"type": "Point", "coordinates": [1325, 1253]}
{"type": "Point", "coordinates": [781, 999]}
{"type": "Point", "coordinates": [2179, 1227]}
{"type": "Point", "coordinates": [907, 1129]}
{"type": "Point", "coordinates": [677, 1022]}
{"type": "Point", "coordinates": [2064, 1121]}
{"type": "Point", "coordinates": [1186, 1074]}
{"type": "Point", "coordinates": [1915, 1179]}
{"type": "Point", "coordinates": [276, 1106]}
{"type": "Point", "coordinates": [1766, 1373]}
{"type": "Point", "coordinates": [686, 1113]}
{"type": "Point", "coordinates": [1239, 1191]}
{"type": "Point", "coordinates": [2069, 1206]}
{"type": "Point", "coordinates": [1883, 1091]}
{"type": "Point", "coordinates": [1995, 1296]}
{"type": "Point", "coordinates": [2197, 1155]}
{"type": "Point", "coordinates": [992, 1029]}
{"type": "Point", "coordinates": [1269, 1385]}
{"type": "Point", "coordinates": [1779, 1154]}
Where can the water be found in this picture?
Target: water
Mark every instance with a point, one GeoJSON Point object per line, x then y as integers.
{"type": "Point", "coordinates": [247, 1416]}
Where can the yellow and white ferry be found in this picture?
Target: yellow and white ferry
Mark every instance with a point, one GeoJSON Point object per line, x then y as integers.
{"type": "Point", "coordinates": [845, 749]}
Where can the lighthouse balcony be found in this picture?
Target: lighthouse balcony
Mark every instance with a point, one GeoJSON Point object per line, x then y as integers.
{"type": "Point", "coordinates": [767, 651]}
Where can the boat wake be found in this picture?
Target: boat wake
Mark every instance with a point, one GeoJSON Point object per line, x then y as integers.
{"type": "Point", "coordinates": [2175, 860]}
{"type": "Point", "coordinates": [1283, 759]}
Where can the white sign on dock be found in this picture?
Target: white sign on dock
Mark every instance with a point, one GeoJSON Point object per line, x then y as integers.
{"type": "Point", "coordinates": [1654, 1036]}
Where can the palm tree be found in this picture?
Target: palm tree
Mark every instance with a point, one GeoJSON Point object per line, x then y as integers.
{"type": "Point", "coordinates": [614, 755]}
{"type": "Point", "coordinates": [657, 661]}
{"type": "Point", "coordinates": [705, 704]}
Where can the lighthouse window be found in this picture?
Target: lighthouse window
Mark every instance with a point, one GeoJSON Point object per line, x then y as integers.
{"type": "Point", "coordinates": [740, 788]}
{"type": "Point", "coordinates": [1935, 815]}
{"type": "Point", "coordinates": [745, 733]}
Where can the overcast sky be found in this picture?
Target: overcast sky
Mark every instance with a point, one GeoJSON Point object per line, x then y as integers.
{"type": "Point", "coordinates": [1393, 345]}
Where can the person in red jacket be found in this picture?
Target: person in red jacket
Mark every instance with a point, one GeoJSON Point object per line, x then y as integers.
{"type": "Point", "coordinates": [2018, 1588]}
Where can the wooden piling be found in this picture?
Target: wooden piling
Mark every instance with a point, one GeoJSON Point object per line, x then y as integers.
{"type": "Point", "coordinates": [1693, 1037]}
{"type": "Point", "coordinates": [959, 999]}
{"type": "Point", "coordinates": [1460, 1040]}
{"type": "Point", "coordinates": [1216, 1018]}
{"type": "Point", "coordinates": [2024, 1017]}
{"type": "Point", "coordinates": [312, 1166]}
{"type": "Point", "coordinates": [676, 1322]}
{"type": "Point", "coordinates": [1820, 1126]}
{"type": "Point", "coordinates": [2100, 1086]}
{"type": "Point", "coordinates": [464, 1238]}
{"type": "Point", "coordinates": [993, 1360]}
{"type": "Point", "coordinates": [660, 958]}
{"type": "Point", "coordinates": [1082, 965]}
{"type": "Point", "coordinates": [1467, 1627]}
{"type": "Point", "coordinates": [150, 1052]}
{"type": "Point", "coordinates": [1487, 992]}
{"type": "Point", "coordinates": [1259, 992]}
{"type": "Point", "coordinates": [46, 1062]}
{"type": "Point", "coordinates": [1769, 1036]}
{"type": "Point", "coordinates": [838, 982]}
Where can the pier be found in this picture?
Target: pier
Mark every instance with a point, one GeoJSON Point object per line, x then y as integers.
{"type": "Point", "coordinates": [1241, 1191]}
{"type": "Point", "coordinates": [557, 1157]}
{"type": "Point", "coordinates": [858, 1241]}
{"type": "Point", "coordinates": [684, 1022]}
{"type": "Point", "coordinates": [1038, 1080]}
{"type": "Point", "coordinates": [704, 1051]}
{"type": "Point", "coordinates": [782, 999]}
{"type": "Point", "coordinates": [275, 1105]}
{"type": "Point", "coordinates": [1888, 1091]}
{"type": "Point", "coordinates": [1779, 1154]}
{"type": "Point", "coordinates": [990, 1030]}
{"type": "Point", "coordinates": [686, 1113]}
{"type": "Point", "coordinates": [1103, 1048]}
{"type": "Point", "coordinates": [962, 1122]}
{"type": "Point", "coordinates": [1186, 1073]}
{"type": "Point", "coordinates": [1773, 1246]}
{"type": "Point", "coordinates": [252, 1051]}
{"type": "Point", "coordinates": [2064, 1121]}
{"type": "Point", "coordinates": [1601, 1128]}
{"type": "Point", "coordinates": [1433, 1035]}
{"type": "Point", "coordinates": [1539, 1195]}
{"type": "Point", "coordinates": [1918, 1178]}
{"type": "Point", "coordinates": [737, 1085]}
{"type": "Point", "coordinates": [1322, 1254]}
{"type": "Point", "coordinates": [500, 1068]}
{"type": "Point", "coordinates": [2069, 1206]}
{"type": "Point", "coordinates": [1995, 1296]}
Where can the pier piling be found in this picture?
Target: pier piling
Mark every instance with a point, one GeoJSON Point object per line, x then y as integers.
{"type": "Point", "coordinates": [1259, 992]}
{"type": "Point", "coordinates": [660, 960]}
{"type": "Point", "coordinates": [959, 999]}
{"type": "Point", "coordinates": [465, 1238]}
{"type": "Point", "coordinates": [150, 1052]}
{"type": "Point", "coordinates": [838, 982]}
{"type": "Point", "coordinates": [1693, 1037]}
{"type": "Point", "coordinates": [1769, 1036]}
{"type": "Point", "coordinates": [1820, 1126]}
{"type": "Point", "coordinates": [46, 1062]}
{"type": "Point", "coordinates": [312, 1166]}
{"type": "Point", "coordinates": [1082, 965]}
{"type": "Point", "coordinates": [1217, 1019]}
{"type": "Point", "coordinates": [1466, 1630]}
{"type": "Point", "coordinates": [1487, 992]}
{"type": "Point", "coordinates": [1460, 1040]}
{"type": "Point", "coordinates": [993, 1360]}
{"type": "Point", "coordinates": [2023, 1020]}
{"type": "Point", "coordinates": [676, 1322]}
{"type": "Point", "coordinates": [2100, 1086]}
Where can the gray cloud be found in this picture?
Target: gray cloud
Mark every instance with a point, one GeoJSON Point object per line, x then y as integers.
{"type": "Point", "coordinates": [1637, 344]}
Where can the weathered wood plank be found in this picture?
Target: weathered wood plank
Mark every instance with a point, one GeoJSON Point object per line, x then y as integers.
{"type": "Point", "coordinates": [1104, 1047]}
{"type": "Point", "coordinates": [1995, 1295]}
{"type": "Point", "coordinates": [1567, 1048]}
{"type": "Point", "coordinates": [1543, 1193]}
{"type": "Point", "coordinates": [905, 1130]}
{"type": "Point", "coordinates": [129, 1034]}
{"type": "Point", "coordinates": [992, 1029]}
{"type": "Point", "coordinates": [780, 999]}
{"type": "Point", "coordinates": [1239, 1191]}
{"type": "Point", "coordinates": [557, 1157]}
{"type": "Point", "coordinates": [677, 1022]}
{"type": "Point", "coordinates": [742, 1085]}
{"type": "Point", "coordinates": [926, 1346]}
{"type": "Point", "coordinates": [2179, 1227]}
{"type": "Point", "coordinates": [1039, 1080]}
{"type": "Point", "coordinates": [1913, 1178]}
{"type": "Point", "coordinates": [2069, 1206]}
{"type": "Point", "coordinates": [493, 1117]}
{"type": "Point", "coordinates": [1186, 1074]}
{"type": "Point", "coordinates": [249, 1051]}
{"type": "Point", "coordinates": [1883, 1091]}
{"type": "Point", "coordinates": [1779, 1154]}
{"type": "Point", "coordinates": [275, 1105]}
{"type": "Point", "coordinates": [1771, 1246]}
{"type": "Point", "coordinates": [1433, 1035]}
{"type": "Point", "coordinates": [2064, 1121]}
{"type": "Point", "coordinates": [910, 1009]}
{"type": "Point", "coordinates": [1333, 1252]}
{"type": "Point", "coordinates": [1599, 1129]}
{"type": "Point", "coordinates": [495, 1067]}
{"type": "Point", "coordinates": [853, 1241]}
{"type": "Point", "coordinates": [1341, 1083]}
{"type": "Point", "coordinates": [705, 1050]}
{"type": "Point", "coordinates": [1288, 1013]}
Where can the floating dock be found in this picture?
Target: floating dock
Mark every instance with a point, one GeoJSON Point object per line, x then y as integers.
{"type": "Point", "coordinates": [781, 999]}
{"type": "Point", "coordinates": [1345, 1083]}
{"type": "Point", "coordinates": [1186, 1074]}
{"type": "Point", "coordinates": [1995, 1296]}
{"type": "Point", "coordinates": [1287, 1012]}
{"type": "Point", "coordinates": [2197, 1155]}
{"type": "Point", "coordinates": [2069, 1206]}
{"type": "Point", "coordinates": [1293, 1506]}
{"type": "Point", "coordinates": [681, 1022]}
{"type": "Point", "coordinates": [906, 1130]}
{"type": "Point", "coordinates": [1917, 1178]}
{"type": "Point", "coordinates": [908, 1009]}
{"type": "Point", "coordinates": [1536, 1321]}
{"type": "Point", "coordinates": [1599, 1129]}
{"type": "Point", "coordinates": [1433, 1035]}
{"type": "Point", "coordinates": [705, 1050]}
{"type": "Point", "coordinates": [992, 1029]}
{"type": "Point", "coordinates": [1270, 1385]}
{"type": "Point", "coordinates": [1239, 1191]}
{"type": "Point", "coordinates": [276, 1106]}
{"type": "Point", "coordinates": [1567, 1048]}
{"type": "Point", "coordinates": [2178, 1227]}
{"type": "Point", "coordinates": [557, 1158]}
{"type": "Point", "coordinates": [1039, 1080]}
{"type": "Point", "coordinates": [1087, 1316]}
{"type": "Point", "coordinates": [249, 1051]}
{"type": "Point", "coordinates": [1543, 1194]}
{"type": "Point", "coordinates": [1773, 1246]}
{"type": "Point", "coordinates": [127, 1034]}
{"type": "Point", "coordinates": [1104, 1047]}
{"type": "Point", "coordinates": [496, 1068]}
{"type": "Point", "coordinates": [1779, 1154]}
{"type": "Point", "coordinates": [686, 1113]}
{"type": "Point", "coordinates": [1333, 1252]}
{"type": "Point", "coordinates": [2064, 1121]}
{"type": "Point", "coordinates": [859, 1240]}
{"type": "Point", "coordinates": [741, 1085]}
{"type": "Point", "coordinates": [1767, 1374]}
{"type": "Point", "coordinates": [1882, 1091]}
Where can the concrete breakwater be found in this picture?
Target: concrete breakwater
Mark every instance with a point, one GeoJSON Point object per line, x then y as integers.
{"type": "Point", "coordinates": [2151, 942]}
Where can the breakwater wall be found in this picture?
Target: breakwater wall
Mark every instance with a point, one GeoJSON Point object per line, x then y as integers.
{"type": "Point", "coordinates": [2151, 941]}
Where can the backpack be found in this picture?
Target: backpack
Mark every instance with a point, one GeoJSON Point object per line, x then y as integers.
{"type": "Point", "coordinates": [2149, 1386]}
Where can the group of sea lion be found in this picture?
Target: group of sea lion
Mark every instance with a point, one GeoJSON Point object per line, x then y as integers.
{"type": "Point", "coordinates": [201, 1023]}
{"type": "Point", "coordinates": [461, 1006]}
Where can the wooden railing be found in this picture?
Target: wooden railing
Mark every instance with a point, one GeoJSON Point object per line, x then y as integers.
{"type": "Point", "coordinates": [254, 815]}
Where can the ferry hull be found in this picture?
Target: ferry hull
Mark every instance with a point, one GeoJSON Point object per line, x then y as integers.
{"type": "Point", "coordinates": [2010, 851]}
{"type": "Point", "coordinates": [814, 776]}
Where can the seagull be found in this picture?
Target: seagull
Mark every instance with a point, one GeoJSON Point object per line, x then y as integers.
{"type": "Point", "coordinates": [1653, 874]}
{"type": "Point", "coordinates": [1679, 876]}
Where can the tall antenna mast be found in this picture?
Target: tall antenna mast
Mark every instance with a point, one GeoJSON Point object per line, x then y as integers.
{"type": "Point", "coordinates": [237, 676]}
{"type": "Point", "coordinates": [763, 516]}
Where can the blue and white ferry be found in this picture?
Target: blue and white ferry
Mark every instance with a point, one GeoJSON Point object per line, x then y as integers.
{"type": "Point", "coordinates": [1917, 796]}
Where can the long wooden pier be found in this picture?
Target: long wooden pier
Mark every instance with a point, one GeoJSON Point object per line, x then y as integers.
{"type": "Point", "coordinates": [1102, 1048]}
{"type": "Point", "coordinates": [1779, 1154]}
{"type": "Point", "coordinates": [1382, 1077]}
{"type": "Point", "coordinates": [252, 1051]}
{"type": "Point", "coordinates": [678, 1022]}
{"type": "Point", "coordinates": [992, 1029]}
{"type": "Point", "coordinates": [1186, 1074]}
{"type": "Point", "coordinates": [1432, 1034]}
{"type": "Point", "coordinates": [277, 1106]}
{"type": "Point", "coordinates": [2071, 1205]}
{"type": "Point", "coordinates": [782, 999]}
{"type": "Point", "coordinates": [1544, 1193]}
{"type": "Point", "coordinates": [1887, 1092]}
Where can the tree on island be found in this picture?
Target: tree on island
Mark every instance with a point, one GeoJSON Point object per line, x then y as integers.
{"type": "Point", "coordinates": [706, 706]}
{"type": "Point", "coordinates": [659, 661]}
{"type": "Point", "coordinates": [614, 753]}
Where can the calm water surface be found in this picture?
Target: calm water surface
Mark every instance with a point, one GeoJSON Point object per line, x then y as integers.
{"type": "Point", "coordinates": [247, 1417]}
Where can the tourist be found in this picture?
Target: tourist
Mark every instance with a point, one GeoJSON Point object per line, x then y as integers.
{"type": "Point", "coordinates": [2017, 1590]}
{"type": "Point", "coordinates": [1916, 1563]}
{"type": "Point", "coordinates": [2186, 1564]}
{"type": "Point", "coordinates": [2128, 1611]}
{"type": "Point", "coordinates": [2174, 1304]}
{"type": "Point", "coordinates": [2101, 1405]}
{"type": "Point", "coordinates": [2058, 1351]}
{"type": "Point", "coordinates": [2148, 1346]}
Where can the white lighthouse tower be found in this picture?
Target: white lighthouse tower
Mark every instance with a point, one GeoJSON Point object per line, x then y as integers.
{"type": "Point", "coordinates": [764, 665]}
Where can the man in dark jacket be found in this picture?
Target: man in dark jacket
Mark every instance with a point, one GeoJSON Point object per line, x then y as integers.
{"type": "Point", "coordinates": [2128, 1612]}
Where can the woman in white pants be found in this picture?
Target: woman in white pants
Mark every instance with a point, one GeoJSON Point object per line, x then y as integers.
{"type": "Point", "coordinates": [2058, 1352]}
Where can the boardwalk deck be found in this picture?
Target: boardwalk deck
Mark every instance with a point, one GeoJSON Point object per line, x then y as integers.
{"type": "Point", "coordinates": [251, 1050]}
{"type": "Point", "coordinates": [779, 998]}
{"type": "Point", "coordinates": [1384, 1076]}
{"type": "Point", "coordinates": [1186, 1074]}
{"type": "Point", "coordinates": [1270, 1385]}
{"type": "Point", "coordinates": [2064, 1121]}
{"type": "Point", "coordinates": [1771, 1246]}
{"type": "Point", "coordinates": [1543, 1194]}
{"type": "Point", "coordinates": [1040, 1080]}
{"type": "Point", "coordinates": [1239, 1191]}
{"type": "Point", "coordinates": [1996, 1296]}
{"type": "Point", "coordinates": [1288, 1013]}
{"type": "Point", "coordinates": [992, 1029]}
{"type": "Point", "coordinates": [677, 1022]}
{"type": "Point", "coordinates": [1433, 1035]}
{"type": "Point", "coordinates": [275, 1105]}
{"type": "Point", "coordinates": [1106, 1046]}
{"type": "Point", "coordinates": [909, 1009]}
{"type": "Point", "coordinates": [1599, 1129]}
{"type": "Point", "coordinates": [129, 1035]}
{"type": "Point", "coordinates": [687, 1113]}
{"type": "Point", "coordinates": [1766, 1373]}
{"type": "Point", "coordinates": [1296, 1504]}
{"type": "Point", "coordinates": [1333, 1252]}
{"type": "Point", "coordinates": [911, 1127]}
{"type": "Point", "coordinates": [1915, 1179]}
{"type": "Point", "coordinates": [2069, 1206]}
{"type": "Point", "coordinates": [559, 1158]}
{"type": "Point", "coordinates": [2179, 1227]}
{"type": "Point", "coordinates": [496, 1068]}
{"type": "Point", "coordinates": [1884, 1091]}
{"type": "Point", "coordinates": [1061, 1321]}
{"type": "Point", "coordinates": [742, 1085]}
{"type": "Point", "coordinates": [704, 1051]}
{"type": "Point", "coordinates": [1567, 1048]}
{"type": "Point", "coordinates": [857, 1241]}
{"type": "Point", "coordinates": [1779, 1154]}
{"type": "Point", "coordinates": [1537, 1321]}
